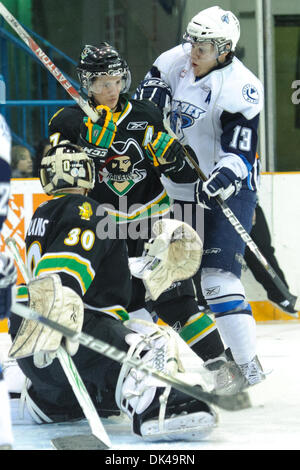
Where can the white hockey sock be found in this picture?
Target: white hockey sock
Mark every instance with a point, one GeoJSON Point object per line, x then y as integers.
{"type": "Point", "coordinates": [6, 436]}
{"type": "Point", "coordinates": [238, 331]}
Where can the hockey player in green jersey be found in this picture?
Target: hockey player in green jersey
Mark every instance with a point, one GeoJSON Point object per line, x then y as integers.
{"type": "Point", "coordinates": [91, 274]}
{"type": "Point", "coordinates": [128, 187]}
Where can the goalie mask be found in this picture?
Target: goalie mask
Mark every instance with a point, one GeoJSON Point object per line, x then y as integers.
{"type": "Point", "coordinates": [213, 26]}
{"type": "Point", "coordinates": [66, 166]}
{"type": "Point", "coordinates": [102, 61]}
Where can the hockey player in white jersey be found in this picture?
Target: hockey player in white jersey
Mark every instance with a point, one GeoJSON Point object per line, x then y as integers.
{"type": "Point", "coordinates": [213, 102]}
{"type": "Point", "coordinates": [8, 276]}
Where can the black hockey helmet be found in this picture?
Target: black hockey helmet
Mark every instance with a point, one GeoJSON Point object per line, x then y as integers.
{"type": "Point", "coordinates": [97, 61]}
{"type": "Point", "coordinates": [66, 166]}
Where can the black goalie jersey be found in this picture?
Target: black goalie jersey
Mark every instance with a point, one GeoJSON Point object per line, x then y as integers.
{"type": "Point", "coordinates": [126, 184]}
{"type": "Point", "coordinates": [65, 237]}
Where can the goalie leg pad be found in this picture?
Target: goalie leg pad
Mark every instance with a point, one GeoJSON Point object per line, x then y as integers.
{"type": "Point", "coordinates": [157, 411]}
{"type": "Point", "coordinates": [184, 419]}
{"type": "Point", "coordinates": [61, 304]}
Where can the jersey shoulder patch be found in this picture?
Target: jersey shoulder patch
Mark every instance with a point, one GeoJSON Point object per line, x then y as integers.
{"type": "Point", "coordinates": [242, 91]}
{"type": "Point", "coordinates": [85, 210]}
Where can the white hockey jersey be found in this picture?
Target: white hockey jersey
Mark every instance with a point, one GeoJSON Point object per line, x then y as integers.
{"type": "Point", "coordinates": [216, 115]}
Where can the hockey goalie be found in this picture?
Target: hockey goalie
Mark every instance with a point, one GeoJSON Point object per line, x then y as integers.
{"type": "Point", "coordinates": [84, 282]}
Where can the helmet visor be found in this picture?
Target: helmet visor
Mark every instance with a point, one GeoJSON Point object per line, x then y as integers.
{"type": "Point", "coordinates": [199, 50]}
{"type": "Point", "coordinates": [102, 83]}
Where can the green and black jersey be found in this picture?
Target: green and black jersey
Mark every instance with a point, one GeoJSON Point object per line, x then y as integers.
{"type": "Point", "coordinates": [126, 184]}
{"type": "Point", "coordinates": [65, 237]}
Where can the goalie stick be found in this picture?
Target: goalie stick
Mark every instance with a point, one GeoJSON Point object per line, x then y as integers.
{"type": "Point", "coordinates": [99, 438]}
{"type": "Point", "coordinates": [47, 62]}
{"type": "Point", "coordinates": [227, 402]}
{"type": "Point", "coordinates": [241, 230]}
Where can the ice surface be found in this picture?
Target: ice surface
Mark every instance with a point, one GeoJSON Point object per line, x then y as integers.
{"type": "Point", "coordinates": [273, 421]}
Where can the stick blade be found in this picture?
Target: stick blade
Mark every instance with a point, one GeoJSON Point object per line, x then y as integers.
{"type": "Point", "coordinates": [238, 401]}
{"type": "Point", "coordinates": [79, 442]}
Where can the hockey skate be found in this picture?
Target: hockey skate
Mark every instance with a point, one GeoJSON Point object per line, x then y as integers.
{"type": "Point", "coordinates": [231, 378]}
{"type": "Point", "coordinates": [228, 380]}
{"type": "Point", "coordinates": [286, 306]}
{"type": "Point", "coordinates": [252, 372]}
{"type": "Point", "coordinates": [227, 376]}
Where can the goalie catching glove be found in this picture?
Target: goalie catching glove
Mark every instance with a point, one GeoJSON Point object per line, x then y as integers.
{"type": "Point", "coordinates": [173, 255]}
{"type": "Point", "coordinates": [166, 154]}
{"type": "Point", "coordinates": [101, 133]}
{"type": "Point", "coordinates": [61, 304]}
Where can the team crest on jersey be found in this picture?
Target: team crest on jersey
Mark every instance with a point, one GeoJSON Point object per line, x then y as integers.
{"type": "Point", "coordinates": [183, 115]}
{"type": "Point", "coordinates": [119, 171]}
{"type": "Point", "coordinates": [85, 211]}
{"type": "Point", "coordinates": [250, 94]}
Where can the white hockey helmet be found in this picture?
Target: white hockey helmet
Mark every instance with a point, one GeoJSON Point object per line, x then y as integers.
{"type": "Point", "coordinates": [218, 26]}
{"type": "Point", "coordinates": [66, 166]}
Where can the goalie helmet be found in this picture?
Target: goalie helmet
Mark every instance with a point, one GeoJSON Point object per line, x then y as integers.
{"type": "Point", "coordinates": [215, 25]}
{"type": "Point", "coordinates": [100, 61]}
{"type": "Point", "coordinates": [66, 166]}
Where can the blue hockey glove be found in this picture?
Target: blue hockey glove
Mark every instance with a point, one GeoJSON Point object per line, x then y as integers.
{"type": "Point", "coordinates": [8, 277]}
{"type": "Point", "coordinates": [166, 154]}
{"type": "Point", "coordinates": [155, 90]}
{"type": "Point", "coordinates": [223, 183]}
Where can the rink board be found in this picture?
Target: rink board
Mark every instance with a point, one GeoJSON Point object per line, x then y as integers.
{"type": "Point", "coordinates": [278, 196]}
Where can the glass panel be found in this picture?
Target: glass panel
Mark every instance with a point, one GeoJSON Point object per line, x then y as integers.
{"type": "Point", "coordinates": [140, 30]}
{"type": "Point", "coordinates": [287, 76]}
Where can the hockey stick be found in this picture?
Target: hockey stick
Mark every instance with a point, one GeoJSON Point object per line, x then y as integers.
{"type": "Point", "coordinates": [227, 402]}
{"type": "Point", "coordinates": [47, 62]}
{"type": "Point", "coordinates": [241, 231]}
{"type": "Point", "coordinates": [70, 370]}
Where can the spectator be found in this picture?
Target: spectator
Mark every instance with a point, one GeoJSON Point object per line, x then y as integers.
{"type": "Point", "coordinates": [41, 149]}
{"type": "Point", "coordinates": [22, 164]}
